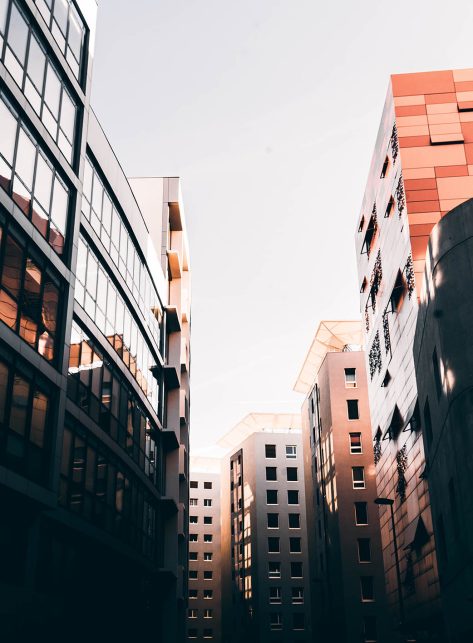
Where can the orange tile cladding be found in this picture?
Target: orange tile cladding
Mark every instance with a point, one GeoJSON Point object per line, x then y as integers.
{"type": "Point", "coordinates": [414, 130]}
{"type": "Point", "coordinates": [420, 184]}
{"type": "Point", "coordinates": [442, 108]}
{"type": "Point", "coordinates": [468, 105]}
{"type": "Point", "coordinates": [455, 187]}
{"type": "Point", "coordinates": [423, 206]}
{"type": "Point", "coordinates": [401, 101]}
{"type": "Point", "coordinates": [418, 173]}
{"type": "Point", "coordinates": [430, 82]}
{"type": "Point", "coordinates": [416, 218]}
{"type": "Point", "coordinates": [451, 170]}
{"type": "Point", "coordinates": [467, 129]}
{"type": "Point", "coordinates": [469, 152]}
{"type": "Point", "coordinates": [419, 246]}
{"type": "Point", "coordinates": [430, 99]}
{"type": "Point", "coordinates": [462, 75]}
{"type": "Point", "coordinates": [451, 117]}
{"type": "Point", "coordinates": [410, 110]}
{"type": "Point", "coordinates": [429, 156]}
{"type": "Point", "coordinates": [422, 195]}
{"type": "Point", "coordinates": [464, 86]}
{"type": "Point", "coordinates": [414, 141]}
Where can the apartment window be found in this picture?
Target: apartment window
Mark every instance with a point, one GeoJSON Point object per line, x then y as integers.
{"type": "Point", "coordinates": [355, 443]}
{"type": "Point", "coordinates": [193, 538]}
{"type": "Point", "coordinates": [208, 594]}
{"type": "Point", "coordinates": [296, 570]}
{"type": "Point", "coordinates": [367, 588]}
{"type": "Point", "coordinates": [208, 555]}
{"type": "Point", "coordinates": [275, 620]}
{"type": "Point", "coordinates": [208, 613]}
{"type": "Point", "coordinates": [370, 634]}
{"type": "Point", "coordinates": [193, 574]}
{"type": "Point", "coordinates": [358, 476]}
{"type": "Point", "coordinates": [270, 450]}
{"type": "Point", "coordinates": [298, 622]}
{"type": "Point", "coordinates": [271, 497]}
{"type": "Point", "coordinates": [208, 538]}
{"type": "Point", "coordinates": [194, 484]}
{"type": "Point", "coordinates": [292, 497]}
{"type": "Point", "coordinates": [398, 293]}
{"type": "Point", "coordinates": [193, 520]}
{"type": "Point", "coordinates": [295, 545]}
{"type": "Point", "coordinates": [273, 521]}
{"type": "Point", "coordinates": [193, 593]}
{"type": "Point", "coordinates": [192, 633]}
{"type": "Point", "coordinates": [208, 575]}
{"type": "Point", "coordinates": [274, 595]}
{"type": "Point", "coordinates": [291, 451]}
{"type": "Point", "coordinates": [437, 377]}
{"type": "Point", "coordinates": [361, 513]}
{"type": "Point", "coordinates": [362, 224]}
{"type": "Point", "coordinates": [350, 378]}
{"type": "Point", "coordinates": [364, 550]}
{"type": "Point", "coordinates": [192, 555]}
{"type": "Point", "coordinates": [274, 569]}
{"type": "Point", "coordinates": [207, 520]}
{"type": "Point", "coordinates": [389, 207]}
{"type": "Point", "coordinates": [208, 634]}
{"type": "Point", "coordinates": [273, 545]}
{"type": "Point", "coordinates": [207, 485]}
{"type": "Point", "coordinates": [207, 502]}
{"type": "Point", "coordinates": [352, 410]}
{"type": "Point", "coordinates": [297, 595]}
{"type": "Point", "coordinates": [192, 613]}
{"type": "Point", "coordinates": [271, 473]}
{"type": "Point", "coordinates": [193, 502]}
{"type": "Point", "coordinates": [294, 521]}
{"type": "Point", "coordinates": [291, 473]}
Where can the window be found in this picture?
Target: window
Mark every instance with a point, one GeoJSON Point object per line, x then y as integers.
{"type": "Point", "coordinates": [193, 502]}
{"type": "Point", "coordinates": [367, 588]}
{"type": "Point", "coordinates": [208, 613]}
{"type": "Point", "coordinates": [364, 550]}
{"type": "Point", "coordinates": [350, 378]}
{"type": "Point", "coordinates": [295, 545]}
{"type": "Point", "coordinates": [207, 485]}
{"type": "Point", "coordinates": [362, 224]}
{"type": "Point", "coordinates": [428, 424]}
{"type": "Point", "coordinates": [352, 409]}
{"type": "Point", "coordinates": [298, 621]}
{"type": "Point", "coordinates": [297, 595]}
{"type": "Point", "coordinates": [274, 569]}
{"type": "Point", "coordinates": [275, 620]}
{"type": "Point", "coordinates": [271, 473]}
{"type": "Point", "coordinates": [291, 473]}
{"type": "Point", "coordinates": [207, 502]}
{"type": "Point", "coordinates": [208, 575]}
{"type": "Point", "coordinates": [273, 545]}
{"type": "Point", "coordinates": [370, 634]}
{"type": "Point", "coordinates": [192, 555]}
{"type": "Point", "coordinates": [296, 570]}
{"type": "Point", "coordinates": [398, 293]}
{"type": "Point", "coordinates": [193, 574]}
{"type": "Point", "coordinates": [370, 235]}
{"type": "Point", "coordinates": [361, 513]}
{"type": "Point", "coordinates": [208, 555]}
{"type": "Point", "coordinates": [358, 476]}
{"type": "Point", "coordinates": [273, 521]}
{"type": "Point", "coordinates": [294, 521]}
{"type": "Point", "coordinates": [193, 538]}
{"type": "Point", "coordinates": [437, 376]}
{"type": "Point", "coordinates": [194, 484]}
{"type": "Point", "coordinates": [207, 520]}
{"type": "Point", "coordinates": [291, 451]}
{"type": "Point", "coordinates": [384, 169]}
{"type": "Point", "coordinates": [192, 613]}
{"type": "Point", "coordinates": [274, 595]}
{"type": "Point", "coordinates": [208, 538]}
{"type": "Point", "coordinates": [270, 450]}
{"type": "Point", "coordinates": [355, 443]}
{"type": "Point", "coordinates": [208, 634]}
{"type": "Point", "coordinates": [208, 594]}
{"type": "Point", "coordinates": [193, 593]}
{"type": "Point", "coordinates": [292, 497]}
{"type": "Point", "coordinates": [193, 520]}
{"type": "Point", "coordinates": [271, 497]}
{"type": "Point", "coordinates": [192, 633]}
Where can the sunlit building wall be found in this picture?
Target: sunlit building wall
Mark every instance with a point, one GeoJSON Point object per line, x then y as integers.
{"type": "Point", "coordinates": [265, 572]}
{"type": "Point", "coordinates": [444, 368]}
{"type": "Point", "coordinates": [421, 168]}
{"type": "Point", "coordinates": [94, 354]}
{"type": "Point", "coordinates": [347, 575]}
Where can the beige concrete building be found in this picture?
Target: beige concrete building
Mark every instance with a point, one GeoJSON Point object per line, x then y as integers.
{"type": "Point", "coordinates": [204, 614]}
{"type": "Point", "coordinates": [444, 366]}
{"type": "Point", "coordinates": [347, 575]}
{"type": "Point", "coordinates": [266, 595]}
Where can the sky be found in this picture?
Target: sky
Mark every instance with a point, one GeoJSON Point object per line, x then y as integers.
{"type": "Point", "coordinates": [268, 111]}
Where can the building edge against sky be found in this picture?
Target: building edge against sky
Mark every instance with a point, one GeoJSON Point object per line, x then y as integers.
{"type": "Point", "coordinates": [94, 354]}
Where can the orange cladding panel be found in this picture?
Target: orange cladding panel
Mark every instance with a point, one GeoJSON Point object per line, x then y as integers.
{"type": "Point", "coordinates": [430, 82]}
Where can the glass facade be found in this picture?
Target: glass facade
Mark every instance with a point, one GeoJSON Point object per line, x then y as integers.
{"type": "Point", "coordinates": [95, 484]}
{"type": "Point", "coordinates": [100, 390]}
{"type": "Point", "coordinates": [30, 179]}
{"type": "Point", "coordinates": [34, 73]}
{"type": "Point", "coordinates": [29, 294]}
{"type": "Point", "coordinates": [67, 28]}
{"type": "Point", "coordinates": [99, 209]}
{"type": "Point", "coordinates": [25, 405]}
{"type": "Point", "coordinates": [98, 295]}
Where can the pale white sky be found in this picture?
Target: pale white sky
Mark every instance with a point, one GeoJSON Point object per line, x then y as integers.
{"type": "Point", "coordinates": [268, 111]}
